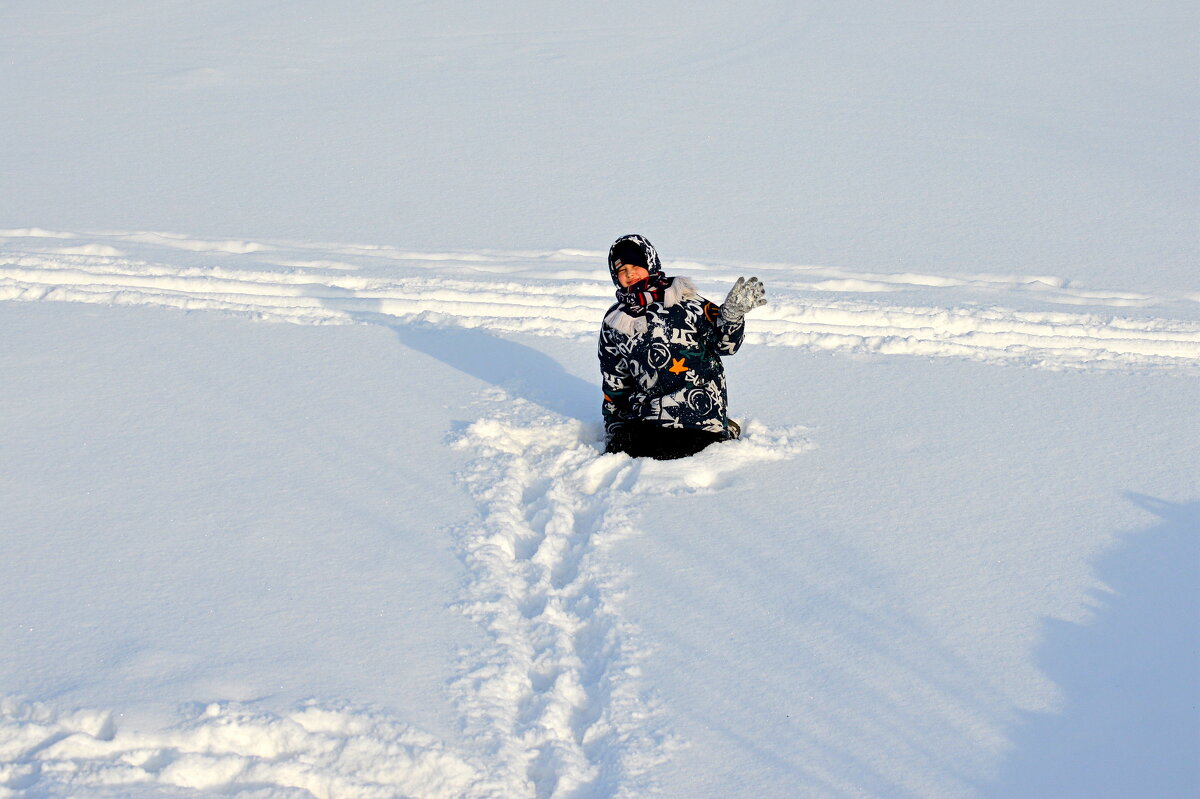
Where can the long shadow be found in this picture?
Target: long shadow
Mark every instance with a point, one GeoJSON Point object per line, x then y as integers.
{"type": "Point", "coordinates": [519, 370]}
{"type": "Point", "coordinates": [1131, 724]}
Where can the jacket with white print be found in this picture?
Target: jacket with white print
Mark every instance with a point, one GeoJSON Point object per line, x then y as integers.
{"type": "Point", "coordinates": [665, 367]}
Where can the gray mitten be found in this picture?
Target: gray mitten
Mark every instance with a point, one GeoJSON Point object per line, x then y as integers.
{"type": "Point", "coordinates": [745, 296]}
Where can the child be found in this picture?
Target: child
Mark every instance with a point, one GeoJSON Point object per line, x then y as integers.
{"type": "Point", "coordinates": [660, 356]}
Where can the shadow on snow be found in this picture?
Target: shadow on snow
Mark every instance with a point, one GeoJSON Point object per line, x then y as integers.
{"type": "Point", "coordinates": [519, 370]}
{"type": "Point", "coordinates": [1130, 725]}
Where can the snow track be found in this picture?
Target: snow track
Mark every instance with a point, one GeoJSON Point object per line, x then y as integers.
{"type": "Point", "coordinates": [557, 696]}
{"type": "Point", "coordinates": [1000, 319]}
{"type": "Point", "coordinates": [554, 696]}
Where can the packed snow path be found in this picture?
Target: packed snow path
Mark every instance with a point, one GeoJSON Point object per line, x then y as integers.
{"type": "Point", "coordinates": [556, 695]}
{"type": "Point", "coordinates": [1028, 320]}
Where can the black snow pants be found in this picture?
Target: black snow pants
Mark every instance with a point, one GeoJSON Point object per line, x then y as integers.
{"type": "Point", "coordinates": [645, 440]}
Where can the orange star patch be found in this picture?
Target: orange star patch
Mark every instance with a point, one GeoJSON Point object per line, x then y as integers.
{"type": "Point", "coordinates": [677, 366]}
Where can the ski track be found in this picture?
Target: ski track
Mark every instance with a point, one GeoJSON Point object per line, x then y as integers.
{"type": "Point", "coordinates": [992, 318]}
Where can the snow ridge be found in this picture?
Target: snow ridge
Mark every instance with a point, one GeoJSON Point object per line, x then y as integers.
{"type": "Point", "coordinates": [1015, 320]}
{"type": "Point", "coordinates": [331, 752]}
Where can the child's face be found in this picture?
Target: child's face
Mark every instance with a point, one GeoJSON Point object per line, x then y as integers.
{"type": "Point", "coordinates": [628, 274]}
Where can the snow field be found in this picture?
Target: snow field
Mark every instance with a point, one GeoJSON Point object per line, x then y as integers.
{"type": "Point", "coordinates": [891, 655]}
{"type": "Point", "coordinates": [554, 705]}
{"type": "Point", "coordinates": [565, 696]}
{"type": "Point", "coordinates": [245, 547]}
{"type": "Point", "coordinates": [994, 319]}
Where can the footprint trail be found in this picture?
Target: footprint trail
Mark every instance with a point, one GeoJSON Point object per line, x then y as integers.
{"type": "Point", "coordinates": [556, 696]}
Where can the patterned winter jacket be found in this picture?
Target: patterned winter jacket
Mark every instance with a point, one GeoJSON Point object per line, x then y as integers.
{"type": "Point", "coordinates": [665, 368]}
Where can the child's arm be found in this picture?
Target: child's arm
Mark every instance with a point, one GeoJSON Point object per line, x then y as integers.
{"type": "Point", "coordinates": [724, 336]}
{"type": "Point", "coordinates": [729, 322]}
{"type": "Point", "coordinates": [617, 383]}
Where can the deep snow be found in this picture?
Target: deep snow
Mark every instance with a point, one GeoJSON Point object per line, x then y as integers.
{"type": "Point", "coordinates": [376, 551]}
{"type": "Point", "coordinates": [231, 542]}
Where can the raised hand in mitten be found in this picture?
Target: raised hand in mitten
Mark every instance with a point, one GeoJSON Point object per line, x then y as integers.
{"type": "Point", "coordinates": [745, 296]}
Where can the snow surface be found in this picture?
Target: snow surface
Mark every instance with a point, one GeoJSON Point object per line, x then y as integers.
{"type": "Point", "coordinates": [301, 483]}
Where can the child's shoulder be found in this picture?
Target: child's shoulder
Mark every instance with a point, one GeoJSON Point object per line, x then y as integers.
{"type": "Point", "coordinates": [618, 324]}
{"type": "Point", "coordinates": [692, 301]}
{"type": "Point", "coordinates": [682, 289]}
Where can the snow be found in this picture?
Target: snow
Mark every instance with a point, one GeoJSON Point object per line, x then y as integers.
{"type": "Point", "coordinates": [1042, 321]}
{"type": "Point", "coordinates": [301, 485]}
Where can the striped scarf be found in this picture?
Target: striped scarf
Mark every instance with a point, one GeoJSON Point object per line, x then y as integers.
{"type": "Point", "coordinates": [635, 298]}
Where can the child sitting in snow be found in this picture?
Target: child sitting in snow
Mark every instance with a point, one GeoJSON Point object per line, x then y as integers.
{"type": "Point", "coordinates": [660, 356]}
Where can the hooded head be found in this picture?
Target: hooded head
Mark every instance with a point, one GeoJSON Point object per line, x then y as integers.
{"type": "Point", "coordinates": [632, 249]}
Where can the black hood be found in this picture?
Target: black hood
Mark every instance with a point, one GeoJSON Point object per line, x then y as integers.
{"type": "Point", "coordinates": [653, 265]}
